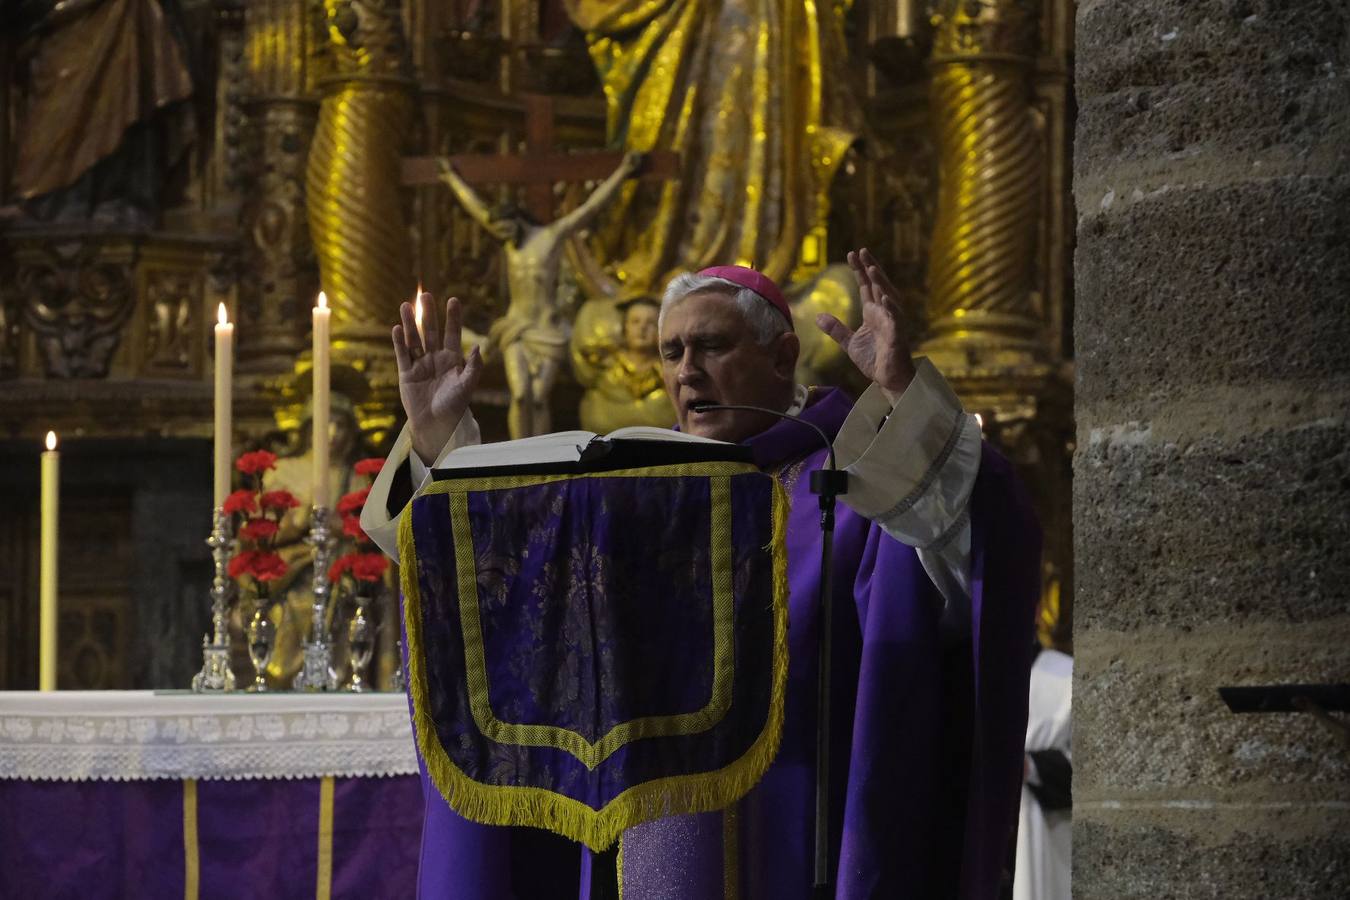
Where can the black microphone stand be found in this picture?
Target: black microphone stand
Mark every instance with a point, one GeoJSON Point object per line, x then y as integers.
{"type": "Point", "coordinates": [827, 484]}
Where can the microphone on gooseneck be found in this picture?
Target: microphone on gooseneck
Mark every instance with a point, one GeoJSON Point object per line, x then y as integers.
{"type": "Point", "coordinates": [827, 483]}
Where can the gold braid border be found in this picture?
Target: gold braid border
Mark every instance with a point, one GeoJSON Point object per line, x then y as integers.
{"type": "Point", "coordinates": [490, 804]}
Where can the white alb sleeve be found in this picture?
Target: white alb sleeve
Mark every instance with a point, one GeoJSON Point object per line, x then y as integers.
{"type": "Point", "coordinates": [911, 470]}
{"type": "Point", "coordinates": [375, 518]}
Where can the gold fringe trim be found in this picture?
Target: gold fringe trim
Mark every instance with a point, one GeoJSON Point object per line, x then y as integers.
{"type": "Point", "coordinates": [490, 804]}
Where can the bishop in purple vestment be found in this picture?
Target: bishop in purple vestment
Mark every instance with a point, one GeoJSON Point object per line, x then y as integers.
{"type": "Point", "coordinates": [935, 577]}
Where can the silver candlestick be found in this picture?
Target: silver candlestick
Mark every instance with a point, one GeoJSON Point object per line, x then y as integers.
{"type": "Point", "coordinates": [216, 674]}
{"type": "Point", "coordinates": [317, 672]}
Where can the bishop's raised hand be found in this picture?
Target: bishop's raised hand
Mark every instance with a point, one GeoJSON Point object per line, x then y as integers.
{"type": "Point", "coordinates": [879, 347]}
{"type": "Point", "coordinates": [435, 378]}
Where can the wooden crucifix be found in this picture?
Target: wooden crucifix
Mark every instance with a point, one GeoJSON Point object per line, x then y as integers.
{"type": "Point", "coordinates": [532, 337]}
{"type": "Point", "coordinates": [539, 168]}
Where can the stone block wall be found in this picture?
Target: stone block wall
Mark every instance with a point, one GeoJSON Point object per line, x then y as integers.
{"type": "Point", "coordinates": [1212, 477]}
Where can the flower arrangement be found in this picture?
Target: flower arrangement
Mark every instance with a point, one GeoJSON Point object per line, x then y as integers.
{"type": "Point", "coordinates": [364, 566]}
{"type": "Point", "coordinates": [259, 513]}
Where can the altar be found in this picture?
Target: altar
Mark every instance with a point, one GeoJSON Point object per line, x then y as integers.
{"type": "Point", "coordinates": [170, 794]}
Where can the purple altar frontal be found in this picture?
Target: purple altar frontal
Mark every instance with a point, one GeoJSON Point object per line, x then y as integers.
{"type": "Point", "coordinates": [239, 839]}
{"type": "Point", "coordinates": [137, 794]}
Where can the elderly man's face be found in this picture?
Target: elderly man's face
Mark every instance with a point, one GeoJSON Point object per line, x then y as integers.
{"type": "Point", "coordinates": [709, 354]}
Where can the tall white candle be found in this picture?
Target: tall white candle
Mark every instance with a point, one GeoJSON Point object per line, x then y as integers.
{"type": "Point", "coordinates": [321, 318]}
{"type": "Point", "coordinates": [47, 608]}
{"type": "Point", "coordinates": [906, 17]}
{"type": "Point", "coordinates": [224, 397]}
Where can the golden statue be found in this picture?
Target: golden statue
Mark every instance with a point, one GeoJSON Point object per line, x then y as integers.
{"type": "Point", "coordinates": [617, 359]}
{"type": "Point", "coordinates": [833, 290]}
{"type": "Point", "coordinates": [532, 336]}
{"type": "Point", "coordinates": [754, 99]}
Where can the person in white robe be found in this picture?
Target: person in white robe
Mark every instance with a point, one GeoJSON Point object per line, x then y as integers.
{"type": "Point", "coordinates": [1045, 824]}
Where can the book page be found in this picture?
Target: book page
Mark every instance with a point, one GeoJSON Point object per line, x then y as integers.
{"type": "Point", "coordinates": [648, 433]}
{"type": "Point", "coordinates": [557, 446]}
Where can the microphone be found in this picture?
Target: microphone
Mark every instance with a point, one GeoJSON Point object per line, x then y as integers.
{"type": "Point", "coordinates": [827, 483]}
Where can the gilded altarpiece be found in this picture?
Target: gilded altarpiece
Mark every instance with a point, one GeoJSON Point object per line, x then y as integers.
{"type": "Point", "coordinates": [105, 325]}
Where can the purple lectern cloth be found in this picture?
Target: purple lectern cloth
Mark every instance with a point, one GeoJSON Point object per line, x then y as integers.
{"type": "Point", "coordinates": [88, 840]}
{"type": "Point", "coordinates": [590, 610]}
{"type": "Point", "coordinates": [927, 733]}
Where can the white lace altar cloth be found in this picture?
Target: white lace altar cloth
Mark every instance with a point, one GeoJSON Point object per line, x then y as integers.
{"type": "Point", "coordinates": [138, 735]}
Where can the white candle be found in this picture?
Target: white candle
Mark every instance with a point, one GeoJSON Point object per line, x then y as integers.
{"type": "Point", "coordinates": [47, 610]}
{"type": "Point", "coordinates": [322, 314]}
{"type": "Point", "coordinates": [906, 23]}
{"type": "Point", "coordinates": [224, 397]}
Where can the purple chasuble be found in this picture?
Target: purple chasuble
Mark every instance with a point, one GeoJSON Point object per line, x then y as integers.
{"type": "Point", "coordinates": [929, 717]}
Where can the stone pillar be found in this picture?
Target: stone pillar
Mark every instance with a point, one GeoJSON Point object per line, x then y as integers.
{"type": "Point", "coordinates": [1212, 179]}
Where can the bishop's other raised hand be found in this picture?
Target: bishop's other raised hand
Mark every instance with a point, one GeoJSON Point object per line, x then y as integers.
{"type": "Point", "coordinates": [435, 378]}
{"type": "Point", "coordinates": [879, 347]}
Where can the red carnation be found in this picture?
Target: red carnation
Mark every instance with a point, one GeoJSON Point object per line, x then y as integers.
{"type": "Point", "coordinates": [241, 563]}
{"type": "Point", "coordinates": [258, 529]}
{"type": "Point", "coordinates": [371, 466]}
{"type": "Point", "coordinates": [342, 564]}
{"type": "Point", "coordinates": [351, 527]}
{"type": "Point", "coordinates": [241, 501]}
{"type": "Point", "coordinates": [352, 503]}
{"type": "Point", "coordinates": [369, 566]}
{"type": "Point", "coordinates": [267, 567]}
{"type": "Point", "coordinates": [279, 500]}
{"type": "Point", "coordinates": [256, 462]}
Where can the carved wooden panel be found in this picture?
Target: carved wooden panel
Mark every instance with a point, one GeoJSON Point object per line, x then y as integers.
{"type": "Point", "coordinates": [170, 330]}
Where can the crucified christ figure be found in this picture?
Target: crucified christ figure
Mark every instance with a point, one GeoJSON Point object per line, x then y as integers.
{"type": "Point", "coordinates": [533, 335]}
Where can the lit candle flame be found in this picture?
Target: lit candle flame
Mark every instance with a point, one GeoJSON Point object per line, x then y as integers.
{"type": "Point", "coordinates": [417, 313]}
{"type": "Point", "coordinates": [51, 440]}
{"type": "Point", "coordinates": [323, 300]}
{"type": "Point", "coordinates": [221, 316]}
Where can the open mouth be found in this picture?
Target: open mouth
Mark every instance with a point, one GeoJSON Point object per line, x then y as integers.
{"type": "Point", "coordinates": [692, 402]}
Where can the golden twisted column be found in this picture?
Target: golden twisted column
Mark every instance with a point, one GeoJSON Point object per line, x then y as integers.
{"type": "Point", "coordinates": [981, 297]}
{"type": "Point", "coordinates": [354, 199]}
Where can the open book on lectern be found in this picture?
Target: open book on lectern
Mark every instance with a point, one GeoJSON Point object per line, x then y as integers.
{"type": "Point", "coordinates": [574, 452]}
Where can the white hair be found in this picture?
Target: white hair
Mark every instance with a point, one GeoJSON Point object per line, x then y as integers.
{"type": "Point", "coordinates": [765, 321]}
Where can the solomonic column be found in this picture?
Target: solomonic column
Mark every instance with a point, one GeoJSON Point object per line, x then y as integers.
{"type": "Point", "coordinates": [981, 301]}
{"type": "Point", "coordinates": [356, 211]}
